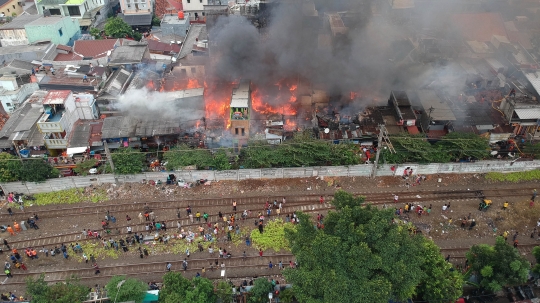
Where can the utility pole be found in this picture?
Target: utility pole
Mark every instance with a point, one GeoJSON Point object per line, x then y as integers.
{"type": "Point", "coordinates": [109, 156]}
{"type": "Point", "coordinates": [379, 148]}
{"type": "Point", "coordinates": [383, 141]}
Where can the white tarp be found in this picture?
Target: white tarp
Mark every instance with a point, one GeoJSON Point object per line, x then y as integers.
{"type": "Point", "coordinates": [76, 150]}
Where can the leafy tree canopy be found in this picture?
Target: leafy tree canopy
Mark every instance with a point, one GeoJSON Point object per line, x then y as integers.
{"type": "Point", "coordinates": [35, 170]}
{"type": "Point", "coordinates": [174, 288]}
{"type": "Point", "coordinates": [9, 165]}
{"type": "Point", "coordinates": [128, 161]}
{"type": "Point", "coordinates": [84, 167]}
{"type": "Point", "coordinates": [116, 27]}
{"type": "Point", "coordinates": [202, 291]}
{"type": "Point", "coordinates": [224, 291]}
{"type": "Point", "coordinates": [498, 265]}
{"type": "Point", "coordinates": [362, 256]}
{"type": "Point", "coordinates": [131, 290]}
{"type": "Point", "coordinates": [260, 290]}
{"type": "Point", "coordinates": [70, 291]}
{"type": "Point", "coordinates": [455, 145]}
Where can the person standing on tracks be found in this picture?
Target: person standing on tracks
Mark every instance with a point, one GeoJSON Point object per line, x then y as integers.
{"type": "Point", "coordinates": [96, 269]}
{"type": "Point", "coordinates": [260, 253]}
{"type": "Point", "coordinates": [473, 224]}
{"type": "Point", "coordinates": [234, 206]}
{"type": "Point", "coordinates": [140, 218]}
{"type": "Point", "coordinates": [505, 205]}
{"type": "Point", "coordinates": [169, 265]}
{"type": "Point", "coordinates": [270, 265]}
{"type": "Point", "coordinates": [185, 265]}
{"type": "Point", "coordinates": [205, 217]}
{"type": "Point", "coordinates": [198, 216]}
{"type": "Point", "coordinates": [6, 244]}
{"type": "Point", "coordinates": [396, 198]}
{"type": "Point", "coordinates": [178, 213]}
{"type": "Point", "coordinates": [10, 230]}
{"type": "Point", "coordinates": [188, 210]}
{"type": "Point", "coordinates": [534, 195]}
{"type": "Point", "coordinates": [190, 217]}
{"type": "Point", "coordinates": [321, 200]}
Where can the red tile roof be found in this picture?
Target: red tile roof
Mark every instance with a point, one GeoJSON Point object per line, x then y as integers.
{"type": "Point", "coordinates": [64, 47]}
{"type": "Point", "coordinates": [67, 57]}
{"type": "Point", "coordinates": [480, 27]}
{"type": "Point", "coordinates": [158, 46]}
{"type": "Point", "coordinates": [167, 7]}
{"type": "Point", "coordinates": [94, 48]}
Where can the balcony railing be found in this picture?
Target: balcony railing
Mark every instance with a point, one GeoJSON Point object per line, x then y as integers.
{"type": "Point", "coordinates": [45, 126]}
{"type": "Point", "coordinates": [56, 143]}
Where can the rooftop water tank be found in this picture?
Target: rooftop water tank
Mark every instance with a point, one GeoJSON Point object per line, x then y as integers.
{"type": "Point", "coordinates": [181, 15]}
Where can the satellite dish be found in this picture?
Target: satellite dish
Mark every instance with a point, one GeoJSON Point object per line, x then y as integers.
{"type": "Point", "coordinates": [326, 130]}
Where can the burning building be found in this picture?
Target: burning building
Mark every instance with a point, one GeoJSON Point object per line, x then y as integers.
{"type": "Point", "coordinates": [240, 111]}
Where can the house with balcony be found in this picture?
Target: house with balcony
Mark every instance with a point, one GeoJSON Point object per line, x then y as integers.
{"type": "Point", "coordinates": [83, 10]}
{"type": "Point", "coordinates": [15, 90]}
{"type": "Point", "coordinates": [137, 13]}
{"type": "Point", "coordinates": [61, 110]}
{"type": "Point", "coordinates": [523, 114]}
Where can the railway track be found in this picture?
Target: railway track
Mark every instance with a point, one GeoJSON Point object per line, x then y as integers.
{"type": "Point", "coordinates": [308, 203]}
{"type": "Point", "coordinates": [246, 202]}
{"type": "Point", "coordinates": [194, 265]}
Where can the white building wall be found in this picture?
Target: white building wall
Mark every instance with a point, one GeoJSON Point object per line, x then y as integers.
{"type": "Point", "coordinates": [194, 5]}
{"type": "Point", "coordinates": [10, 101]}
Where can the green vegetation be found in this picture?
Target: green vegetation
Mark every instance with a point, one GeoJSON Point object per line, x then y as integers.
{"type": "Point", "coordinates": [128, 161]}
{"type": "Point", "coordinates": [260, 290]}
{"type": "Point", "coordinates": [362, 256]}
{"type": "Point", "coordinates": [96, 33]}
{"type": "Point", "coordinates": [273, 236]}
{"type": "Point", "coordinates": [8, 167]}
{"type": "Point", "coordinates": [156, 21]}
{"type": "Point", "coordinates": [179, 289]}
{"type": "Point", "coordinates": [530, 175]}
{"type": "Point", "coordinates": [498, 265]}
{"type": "Point", "coordinates": [29, 170]}
{"type": "Point", "coordinates": [536, 254]}
{"type": "Point", "coordinates": [183, 155]}
{"type": "Point", "coordinates": [69, 196]}
{"type": "Point", "coordinates": [83, 168]}
{"type": "Point", "coordinates": [70, 291]}
{"type": "Point", "coordinates": [416, 148]}
{"type": "Point", "coordinates": [116, 27]}
{"type": "Point", "coordinates": [130, 290]}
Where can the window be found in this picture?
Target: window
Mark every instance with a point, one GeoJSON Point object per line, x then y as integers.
{"type": "Point", "coordinates": [193, 70]}
{"type": "Point", "coordinates": [188, 1]}
{"type": "Point", "coordinates": [60, 32]}
{"type": "Point", "coordinates": [243, 132]}
{"type": "Point", "coordinates": [8, 104]}
{"type": "Point", "coordinates": [8, 10]}
{"type": "Point", "coordinates": [74, 11]}
{"type": "Point", "coordinates": [236, 131]}
{"type": "Point", "coordinates": [13, 6]}
{"type": "Point", "coordinates": [200, 1]}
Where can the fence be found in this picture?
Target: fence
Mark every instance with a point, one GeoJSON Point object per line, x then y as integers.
{"type": "Point", "coordinates": [274, 173]}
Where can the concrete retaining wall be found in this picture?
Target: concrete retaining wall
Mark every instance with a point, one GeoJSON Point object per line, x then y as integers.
{"type": "Point", "coordinates": [274, 173]}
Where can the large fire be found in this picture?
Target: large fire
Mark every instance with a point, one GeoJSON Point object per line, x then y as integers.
{"type": "Point", "coordinates": [280, 101]}
{"type": "Point", "coordinates": [290, 125]}
{"type": "Point", "coordinates": [217, 98]}
{"type": "Point", "coordinates": [174, 84]}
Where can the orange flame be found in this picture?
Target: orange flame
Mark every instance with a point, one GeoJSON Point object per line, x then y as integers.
{"type": "Point", "coordinates": [217, 103]}
{"type": "Point", "coordinates": [285, 99]}
{"type": "Point", "coordinates": [174, 84]}
{"type": "Point", "coordinates": [290, 125]}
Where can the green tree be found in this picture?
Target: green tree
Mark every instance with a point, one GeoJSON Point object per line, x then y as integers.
{"type": "Point", "coordinates": [536, 254]}
{"type": "Point", "coordinates": [174, 288]}
{"type": "Point", "coordinates": [9, 165]}
{"type": "Point", "coordinates": [362, 256]}
{"type": "Point", "coordinates": [286, 296]}
{"type": "Point", "coordinates": [183, 155]}
{"type": "Point", "coordinates": [84, 167]}
{"type": "Point", "coordinates": [202, 291]}
{"type": "Point", "coordinates": [221, 160]}
{"type": "Point", "coordinates": [37, 289]}
{"type": "Point", "coordinates": [130, 290]}
{"type": "Point", "coordinates": [70, 291]}
{"type": "Point", "coordinates": [128, 161]}
{"type": "Point", "coordinates": [156, 21]}
{"type": "Point", "coordinates": [497, 265]}
{"type": "Point", "coordinates": [116, 27]}
{"type": "Point", "coordinates": [96, 33]}
{"type": "Point", "coordinates": [260, 290]}
{"type": "Point", "coordinates": [35, 170]}
{"type": "Point", "coordinates": [224, 291]}
{"type": "Point", "coordinates": [463, 145]}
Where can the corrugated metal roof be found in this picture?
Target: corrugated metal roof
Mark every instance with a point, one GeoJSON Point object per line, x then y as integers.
{"type": "Point", "coordinates": [534, 78]}
{"type": "Point", "coordinates": [479, 26]}
{"type": "Point", "coordinates": [145, 19]}
{"type": "Point", "coordinates": [440, 110]}
{"type": "Point", "coordinates": [528, 113]}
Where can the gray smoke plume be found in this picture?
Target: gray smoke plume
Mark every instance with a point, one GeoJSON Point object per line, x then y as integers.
{"type": "Point", "coordinates": [364, 58]}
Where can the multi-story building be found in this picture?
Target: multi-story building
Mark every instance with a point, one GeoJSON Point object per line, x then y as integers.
{"type": "Point", "coordinates": [11, 8]}
{"type": "Point", "coordinates": [84, 10]}
{"type": "Point", "coordinates": [13, 33]}
{"type": "Point", "coordinates": [12, 93]}
{"type": "Point", "coordinates": [136, 12]}
{"type": "Point", "coordinates": [56, 29]}
{"type": "Point", "coordinates": [62, 109]}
